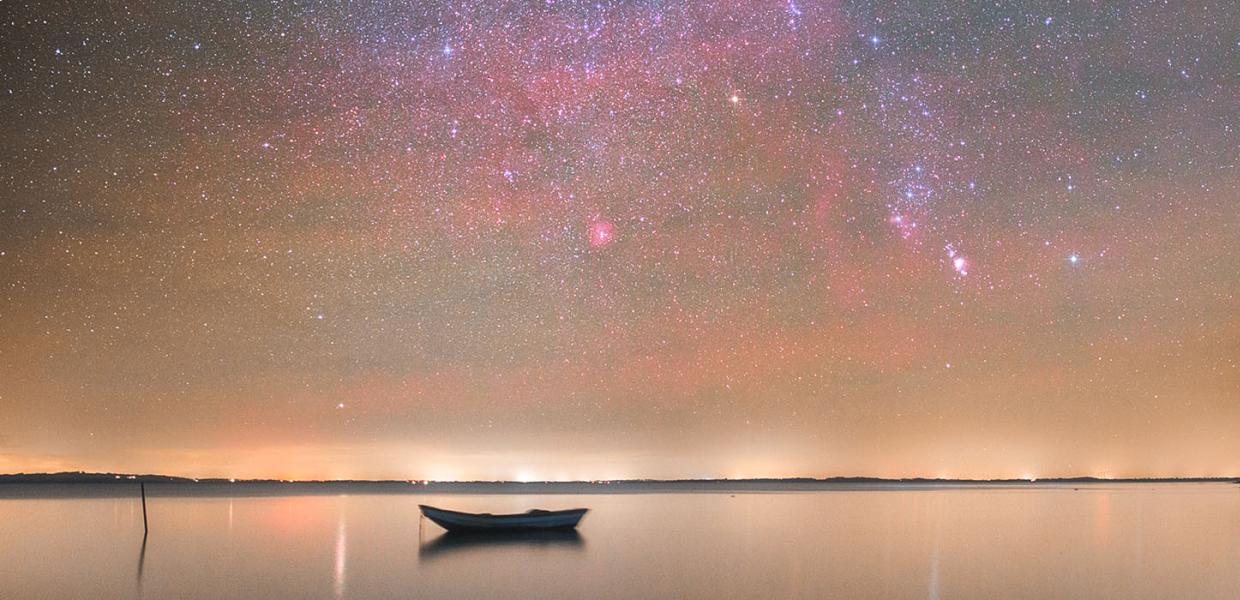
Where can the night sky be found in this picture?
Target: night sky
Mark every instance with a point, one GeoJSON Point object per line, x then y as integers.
{"type": "Point", "coordinates": [584, 240]}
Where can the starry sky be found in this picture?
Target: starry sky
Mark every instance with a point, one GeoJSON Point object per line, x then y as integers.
{"type": "Point", "coordinates": [598, 240]}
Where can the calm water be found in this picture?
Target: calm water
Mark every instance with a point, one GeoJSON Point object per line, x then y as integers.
{"type": "Point", "coordinates": [1123, 541]}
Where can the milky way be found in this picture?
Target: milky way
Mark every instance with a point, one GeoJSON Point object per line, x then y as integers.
{"type": "Point", "coordinates": [620, 239]}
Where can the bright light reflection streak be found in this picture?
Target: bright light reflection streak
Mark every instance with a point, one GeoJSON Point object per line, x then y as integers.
{"type": "Point", "coordinates": [341, 541]}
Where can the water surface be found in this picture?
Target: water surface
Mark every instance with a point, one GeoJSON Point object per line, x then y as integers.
{"type": "Point", "coordinates": [1098, 541]}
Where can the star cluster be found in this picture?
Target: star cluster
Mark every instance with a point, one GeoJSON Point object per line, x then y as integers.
{"type": "Point", "coordinates": [684, 239]}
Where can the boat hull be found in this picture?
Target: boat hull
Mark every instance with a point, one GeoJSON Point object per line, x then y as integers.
{"type": "Point", "coordinates": [537, 520]}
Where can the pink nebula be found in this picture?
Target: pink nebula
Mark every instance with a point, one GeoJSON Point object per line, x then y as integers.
{"type": "Point", "coordinates": [601, 233]}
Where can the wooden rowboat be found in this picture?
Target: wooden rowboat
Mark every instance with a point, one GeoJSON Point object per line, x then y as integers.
{"type": "Point", "coordinates": [533, 520]}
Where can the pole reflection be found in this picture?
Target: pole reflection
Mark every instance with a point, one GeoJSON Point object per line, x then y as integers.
{"type": "Point", "coordinates": [141, 563]}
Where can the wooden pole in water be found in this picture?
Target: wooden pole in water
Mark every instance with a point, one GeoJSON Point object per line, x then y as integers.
{"type": "Point", "coordinates": [145, 528]}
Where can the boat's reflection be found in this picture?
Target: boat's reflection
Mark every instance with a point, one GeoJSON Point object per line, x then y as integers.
{"type": "Point", "coordinates": [454, 543]}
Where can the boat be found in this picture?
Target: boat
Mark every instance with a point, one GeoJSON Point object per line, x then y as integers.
{"type": "Point", "coordinates": [533, 520]}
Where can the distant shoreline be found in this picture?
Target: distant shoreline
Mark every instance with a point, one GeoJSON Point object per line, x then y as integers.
{"type": "Point", "coordinates": [117, 484]}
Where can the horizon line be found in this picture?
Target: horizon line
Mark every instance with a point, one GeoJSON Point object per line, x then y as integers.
{"type": "Point", "coordinates": [114, 476]}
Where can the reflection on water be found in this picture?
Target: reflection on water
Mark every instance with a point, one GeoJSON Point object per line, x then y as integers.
{"type": "Point", "coordinates": [461, 543]}
{"type": "Point", "coordinates": [1118, 541]}
{"type": "Point", "coordinates": [341, 549]}
{"type": "Point", "coordinates": [141, 560]}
